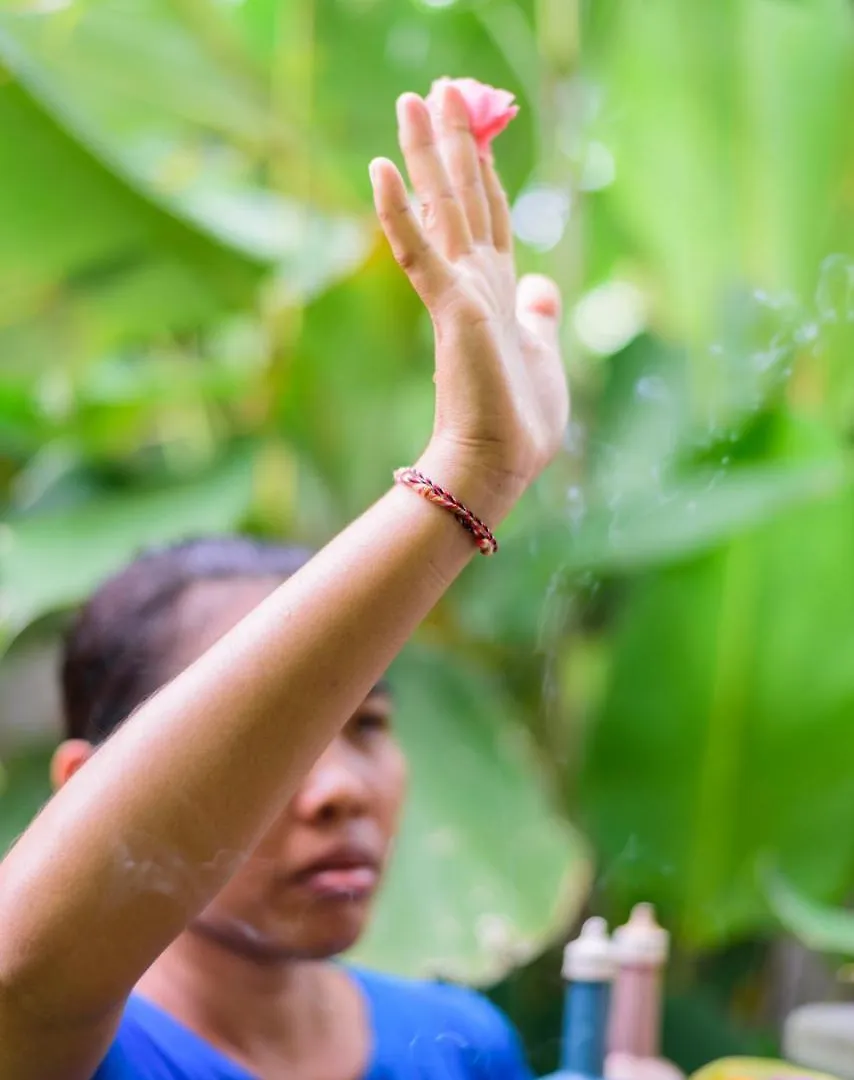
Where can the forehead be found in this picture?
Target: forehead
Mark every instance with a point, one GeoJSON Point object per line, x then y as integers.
{"type": "Point", "coordinates": [207, 610]}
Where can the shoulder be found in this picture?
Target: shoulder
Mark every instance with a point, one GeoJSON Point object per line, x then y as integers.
{"type": "Point", "coordinates": [445, 1002]}
{"type": "Point", "coordinates": [135, 1049]}
{"type": "Point", "coordinates": [151, 1045]}
{"type": "Point", "coordinates": [450, 1021]}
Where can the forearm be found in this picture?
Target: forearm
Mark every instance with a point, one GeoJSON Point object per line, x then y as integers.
{"type": "Point", "coordinates": [151, 828]}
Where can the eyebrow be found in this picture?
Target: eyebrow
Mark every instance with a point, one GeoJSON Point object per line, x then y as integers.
{"type": "Point", "coordinates": [381, 689]}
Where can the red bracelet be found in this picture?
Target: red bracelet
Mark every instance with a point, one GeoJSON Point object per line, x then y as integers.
{"type": "Point", "coordinates": [419, 483]}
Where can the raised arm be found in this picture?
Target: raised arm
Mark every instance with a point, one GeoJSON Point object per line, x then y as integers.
{"type": "Point", "coordinates": [151, 828]}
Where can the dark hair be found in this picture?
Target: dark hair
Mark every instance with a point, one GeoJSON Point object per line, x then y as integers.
{"type": "Point", "coordinates": [115, 648]}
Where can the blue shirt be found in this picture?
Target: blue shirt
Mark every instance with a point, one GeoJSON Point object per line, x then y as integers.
{"type": "Point", "coordinates": [421, 1031]}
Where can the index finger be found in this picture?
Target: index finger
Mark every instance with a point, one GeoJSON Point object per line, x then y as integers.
{"type": "Point", "coordinates": [423, 265]}
{"type": "Point", "coordinates": [444, 216]}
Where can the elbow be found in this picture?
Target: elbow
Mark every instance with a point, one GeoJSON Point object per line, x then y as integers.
{"type": "Point", "coordinates": [25, 965]}
{"type": "Point", "coordinates": [17, 998]}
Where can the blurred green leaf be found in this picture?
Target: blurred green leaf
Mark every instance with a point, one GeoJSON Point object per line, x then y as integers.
{"type": "Point", "coordinates": [24, 788]}
{"type": "Point", "coordinates": [95, 225]}
{"type": "Point", "coordinates": [485, 873]}
{"type": "Point", "coordinates": [727, 167]}
{"type": "Point", "coordinates": [698, 513]}
{"type": "Point", "coordinates": [161, 177]}
{"type": "Point", "coordinates": [722, 732]}
{"type": "Point", "coordinates": [679, 521]}
{"type": "Point", "coordinates": [52, 561]}
{"type": "Point", "coordinates": [819, 927]}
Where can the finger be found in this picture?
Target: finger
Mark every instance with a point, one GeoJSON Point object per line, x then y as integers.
{"type": "Point", "coordinates": [444, 218]}
{"type": "Point", "coordinates": [423, 265]}
{"type": "Point", "coordinates": [459, 153]}
{"type": "Point", "coordinates": [499, 208]}
{"type": "Point", "coordinates": [538, 307]}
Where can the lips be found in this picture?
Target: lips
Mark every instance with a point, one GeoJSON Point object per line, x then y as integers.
{"type": "Point", "coordinates": [346, 873]}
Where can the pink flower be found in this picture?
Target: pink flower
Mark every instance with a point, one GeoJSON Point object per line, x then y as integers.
{"type": "Point", "coordinates": [490, 110]}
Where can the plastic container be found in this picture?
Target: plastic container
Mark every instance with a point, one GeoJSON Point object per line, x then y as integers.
{"type": "Point", "coordinates": [641, 949]}
{"type": "Point", "coordinates": [588, 968]}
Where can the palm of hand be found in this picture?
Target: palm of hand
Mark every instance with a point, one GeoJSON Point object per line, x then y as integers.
{"type": "Point", "coordinates": [515, 392]}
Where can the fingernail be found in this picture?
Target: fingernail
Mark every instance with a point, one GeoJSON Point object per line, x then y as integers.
{"type": "Point", "coordinates": [403, 101]}
{"type": "Point", "coordinates": [453, 105]}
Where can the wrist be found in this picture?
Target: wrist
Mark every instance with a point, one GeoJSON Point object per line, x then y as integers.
{"type": "Point", "coordinates": [489, 493]}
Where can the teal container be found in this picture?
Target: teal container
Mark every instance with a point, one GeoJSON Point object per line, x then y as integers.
{"type": "Point", "coordinates": [588, 970]}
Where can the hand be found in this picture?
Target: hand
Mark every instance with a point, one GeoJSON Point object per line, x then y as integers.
{"type": "Point", "coordinates": [502, 402]}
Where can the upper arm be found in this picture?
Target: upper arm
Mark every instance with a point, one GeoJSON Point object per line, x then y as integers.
{"type": "Point", "coordinates": [31, 1049]}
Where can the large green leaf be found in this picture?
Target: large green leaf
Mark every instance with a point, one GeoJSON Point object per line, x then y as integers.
{"type": "Point", "coordinates": [186, 130]}
{"type": "Point", "coordinates": [163, 218]}
{"type": "Point", "coordinates": [722, 737]}
{"type": "Point", "coordinates": [52, 561]}
{"type": "Point", "coordinates": [729, 169]}
{"type": "Point", "coordinates": [485, 873]}
{"type": "Point", "coordinates": [94, 223]}
{"type": "Point", "coordinates": [549, 556]}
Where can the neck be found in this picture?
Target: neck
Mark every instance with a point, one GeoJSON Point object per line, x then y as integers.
{"type": "Point", "coordinates": [291, 1012]}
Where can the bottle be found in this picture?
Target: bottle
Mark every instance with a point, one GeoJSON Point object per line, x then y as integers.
{"type": "Point", "coordinates": [641, 949]}
{"type": "Point", "coordinates": [588, 968]}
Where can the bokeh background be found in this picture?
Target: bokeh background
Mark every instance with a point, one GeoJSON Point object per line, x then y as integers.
{"type": "Point", "coordinates": [650, 696]}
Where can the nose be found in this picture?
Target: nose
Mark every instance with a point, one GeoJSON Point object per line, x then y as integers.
{"type": "Point", "coordinates": [334, 790]}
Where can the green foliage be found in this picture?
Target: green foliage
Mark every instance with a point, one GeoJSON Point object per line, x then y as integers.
{"type": "Point", "coordinates": [98, 538]}
{"type": "Point", "coordinates": [818, 926]}
{"type": "Point", "coordinates": [728, 166]}
{"type": "Point", "coordinates": [24, 789]}
{"type": "Point", "coordinates": [730, 668]}
{"type": "Point", "coordinates": [731, 690]}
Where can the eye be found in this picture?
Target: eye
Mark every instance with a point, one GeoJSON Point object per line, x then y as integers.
{"type": "Point", "coordinates": [368, 722]}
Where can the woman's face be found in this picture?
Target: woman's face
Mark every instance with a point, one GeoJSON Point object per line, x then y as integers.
{"type": "Point", "coordinates": [306, 892]}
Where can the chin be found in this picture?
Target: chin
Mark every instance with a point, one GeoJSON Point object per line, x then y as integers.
{"type": "Point", "coordinates": [318, 930]}
{"type": "Point", "coordinates": [322, 939]}
{"type": "Point", "coordinates": [313, 939]}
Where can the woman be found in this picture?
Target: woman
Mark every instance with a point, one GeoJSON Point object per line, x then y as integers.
{"type": "Point", "coordinates": [247, 966]}
{"type": "Point", "coordinates": [136, 874]}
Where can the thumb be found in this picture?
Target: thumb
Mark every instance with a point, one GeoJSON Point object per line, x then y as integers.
{"type": "Point", "coordinates": [538, 307]}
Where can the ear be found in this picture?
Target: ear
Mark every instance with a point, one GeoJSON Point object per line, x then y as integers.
{"type": "Point", "coordinates": [68, 757]}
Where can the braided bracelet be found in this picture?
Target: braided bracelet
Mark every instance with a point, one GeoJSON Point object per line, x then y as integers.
{"type": "Point", "coordinates": [411, 478]}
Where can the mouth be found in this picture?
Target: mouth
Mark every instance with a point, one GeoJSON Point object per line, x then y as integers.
{"type": "Point", "coordinates": [347, 873]}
